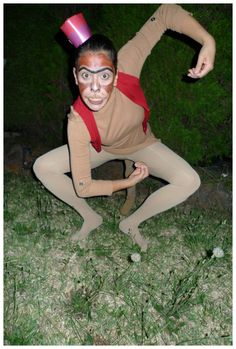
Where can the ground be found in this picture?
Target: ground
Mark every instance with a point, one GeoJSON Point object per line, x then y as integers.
{"type": "Point", "coordinates": [57, 293]}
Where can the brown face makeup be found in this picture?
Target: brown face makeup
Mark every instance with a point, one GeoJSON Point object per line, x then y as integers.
{"type": "Point", "coordinates": [95, 76]}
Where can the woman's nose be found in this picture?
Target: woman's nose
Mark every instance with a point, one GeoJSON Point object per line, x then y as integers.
{"type": "Point", "coordinates": [95, 85]}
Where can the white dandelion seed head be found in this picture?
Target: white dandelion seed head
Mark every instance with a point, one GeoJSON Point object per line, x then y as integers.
{"type": "Point", "coordinates": [224, 175]}
{"type": "Point", "coordinates": [135, 257]}
{"type": "Point", "coordinates": [218, 252]}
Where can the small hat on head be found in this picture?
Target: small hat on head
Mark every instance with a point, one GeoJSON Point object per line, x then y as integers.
{"type": "Point", "coordinates": [76, 29]}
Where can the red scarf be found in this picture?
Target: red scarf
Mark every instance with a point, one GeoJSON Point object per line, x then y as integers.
{"type": "Point", "coordinates": [129, 85]}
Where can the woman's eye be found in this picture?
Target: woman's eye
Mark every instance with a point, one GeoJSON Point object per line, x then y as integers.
{"type": "Point", "coordinates": [85, 75]}
{"type": "Point", "coordinates": [105, 76]}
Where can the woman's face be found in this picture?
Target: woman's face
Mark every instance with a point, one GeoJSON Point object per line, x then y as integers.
{"type": "Point", "coordinates": [95, 77]}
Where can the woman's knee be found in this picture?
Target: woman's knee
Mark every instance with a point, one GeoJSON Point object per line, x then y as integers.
{"type": "Point", "coordinates": [40, 166]}
{"type": "Point", "coordinates": [55, 161]}
{"type": "Point", "coordinates": [190, 181]}
{"type": "Point", "coordinates": [195, 181]}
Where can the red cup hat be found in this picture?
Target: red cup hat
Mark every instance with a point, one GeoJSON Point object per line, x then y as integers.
{"type": "Point", "coordinates": [76, 29]}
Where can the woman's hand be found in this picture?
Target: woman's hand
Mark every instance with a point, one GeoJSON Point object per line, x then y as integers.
{"type": "Point", "coordinates": [205, 61]}
{"type": "Point", "coordinates": [138, 174]}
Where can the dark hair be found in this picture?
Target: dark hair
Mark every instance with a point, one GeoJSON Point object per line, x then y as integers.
{"type": "Point", "coordinates": [96, 43]}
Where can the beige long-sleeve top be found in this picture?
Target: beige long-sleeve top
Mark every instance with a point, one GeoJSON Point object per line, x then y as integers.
{"type": "Point", "coordinates": [120, 121]}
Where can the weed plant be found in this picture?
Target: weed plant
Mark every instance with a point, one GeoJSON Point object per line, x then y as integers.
{"type": "Point", "coordinates": [57, 293]}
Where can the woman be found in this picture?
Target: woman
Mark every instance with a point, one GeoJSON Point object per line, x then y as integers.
{"type": "Point", "coordinates": [119, 122]}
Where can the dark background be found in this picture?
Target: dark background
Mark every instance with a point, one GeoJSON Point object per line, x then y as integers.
{"type": "Point", "coordinates": [191, 117]}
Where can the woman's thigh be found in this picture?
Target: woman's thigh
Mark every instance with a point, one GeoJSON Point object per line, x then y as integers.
{"type": "Point", "coordinates": [58, 159]}
{"type": "Point", "coordinates": [55, 161]}
{"type": "Point", "coordinates": [164, 163]}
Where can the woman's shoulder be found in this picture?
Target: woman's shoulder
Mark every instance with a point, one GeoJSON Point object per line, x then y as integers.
{"type": "Point", "coordinates": [73, 115]}
{"type": "Point", "coordinates": [76, 123]}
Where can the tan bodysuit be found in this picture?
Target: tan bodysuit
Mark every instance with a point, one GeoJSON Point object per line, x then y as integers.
{"type": "Point", "coordinates": [120, 127]}
{"type": "Point", "coordinates": [120, 121]}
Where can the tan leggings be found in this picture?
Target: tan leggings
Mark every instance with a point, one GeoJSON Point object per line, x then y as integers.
{"type": "Point", "coordinates": [161, 161]}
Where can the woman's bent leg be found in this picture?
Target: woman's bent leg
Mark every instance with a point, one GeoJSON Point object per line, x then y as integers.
{"type": "Point", "coordinates": [51, 169]}
{"type": "Point", "coordinates": [163, 163]}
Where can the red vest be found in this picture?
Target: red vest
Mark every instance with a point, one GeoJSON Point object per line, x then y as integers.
{"type": "Point", "coordinates": [129, 85]}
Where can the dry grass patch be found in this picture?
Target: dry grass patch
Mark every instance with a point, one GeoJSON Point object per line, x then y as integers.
{"type": "Point", "coordinates": [59, 294]}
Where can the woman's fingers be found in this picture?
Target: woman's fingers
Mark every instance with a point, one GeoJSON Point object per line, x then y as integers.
{"type": "Point", "coordinates": [141, 169]}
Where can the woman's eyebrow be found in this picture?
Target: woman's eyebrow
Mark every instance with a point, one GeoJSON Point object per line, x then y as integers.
{"type": "Point", "coordinates": [96, 71]}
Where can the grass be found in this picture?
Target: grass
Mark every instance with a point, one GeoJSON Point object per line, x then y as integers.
{"type": "Point", "coordinates": [57, 293]}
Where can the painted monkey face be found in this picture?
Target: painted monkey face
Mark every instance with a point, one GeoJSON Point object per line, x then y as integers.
{"type": "Point", "coordinates": [95, 77]}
